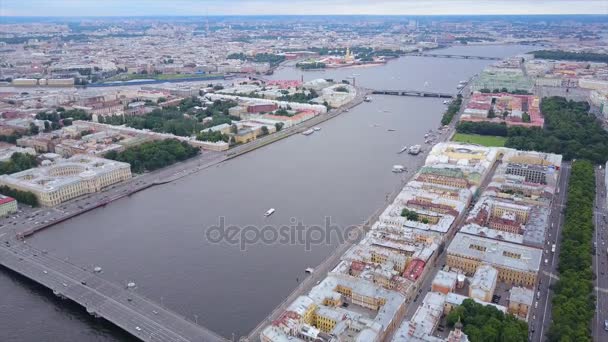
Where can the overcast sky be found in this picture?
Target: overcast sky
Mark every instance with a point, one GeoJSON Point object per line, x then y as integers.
{"type": "Point", "coordinates": [253, 7]}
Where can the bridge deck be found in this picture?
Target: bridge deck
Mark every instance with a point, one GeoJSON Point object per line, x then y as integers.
{"type": "Point", "coordinates": [126, 309]}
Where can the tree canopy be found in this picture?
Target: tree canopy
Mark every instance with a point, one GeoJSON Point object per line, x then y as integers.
{"type": "Point", "coordinates": [573, 302]}
{"type": "Point", "coordinates": [487, 323]}
{"type": "Point", "coordinates": [154, 155]}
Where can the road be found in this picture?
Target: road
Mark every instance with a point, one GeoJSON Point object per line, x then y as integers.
{"type": "Point", "coordinates": [600, 257]}
{"type": "Point", "coordinates": [540, 315]}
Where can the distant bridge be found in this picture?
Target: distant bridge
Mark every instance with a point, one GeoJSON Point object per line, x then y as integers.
{"type": "Point", "coordinates": [419, 93]}
{"type": "Point", "coordinates": [123, 307]}
{"type": "Point", "coordinates": [455, 56]}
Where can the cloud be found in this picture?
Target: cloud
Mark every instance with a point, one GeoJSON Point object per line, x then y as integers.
{"type": "Point", "coordinates": [303, 7]}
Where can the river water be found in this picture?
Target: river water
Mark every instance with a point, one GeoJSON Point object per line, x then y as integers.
{"type": "Point", "coordinates": [157, 238]}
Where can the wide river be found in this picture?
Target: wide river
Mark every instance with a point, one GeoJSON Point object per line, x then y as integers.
{"type": "Point", "coordinates": [157, 238]}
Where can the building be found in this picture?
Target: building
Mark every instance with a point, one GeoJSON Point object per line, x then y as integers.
{"type": "Point", "coordinates": [8, 205]}
{"type": "Point", "coordinates": [520, 301]}
{"type": "Point", "coordinates": [516, 264]}
{"type": "Point", "coordinates": [483, 283]}
{"type": "Point", "coordinates": [68, 178]}
{"type": "Point", "coordinates": [444, 282]}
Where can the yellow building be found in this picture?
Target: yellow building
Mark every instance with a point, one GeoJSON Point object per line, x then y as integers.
{"type": "Point", "coordinates": [67, 179]}
{"type": "Point", "coordinates": [516, 264]}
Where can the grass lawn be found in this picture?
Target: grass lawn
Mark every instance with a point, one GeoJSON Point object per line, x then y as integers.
{"type": "Point", "coordinates": [485, 140]}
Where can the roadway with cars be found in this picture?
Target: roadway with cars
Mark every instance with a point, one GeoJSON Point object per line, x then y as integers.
{"type": "Point", "coordinates": [600, 258]}
{"type": "Point", "coordinates": [540, 314]}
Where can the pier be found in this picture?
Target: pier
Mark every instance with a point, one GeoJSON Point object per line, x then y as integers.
{"type": "Point", "coordinates": [419, 93]}
{"type": "Point", "coordinates": [484, 58]}
{"type": "Point", "coordinates": [121, 306]}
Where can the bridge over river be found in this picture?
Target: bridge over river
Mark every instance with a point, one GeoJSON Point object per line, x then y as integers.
{"type": "Point", "coordinates": [434, 55]}
{"type": "Point", "coordinates": [121, 306]}
{"type": "Point", "coordinates": [420, 93]}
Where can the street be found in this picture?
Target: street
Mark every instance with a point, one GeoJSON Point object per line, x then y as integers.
{"type": "Point", "coordinates": [540, 314]}
{"type": "Point", "coordinates": [600, 257]}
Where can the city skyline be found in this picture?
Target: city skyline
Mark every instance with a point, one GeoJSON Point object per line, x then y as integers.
{"type": "Point", "coordinates": [74, 8]}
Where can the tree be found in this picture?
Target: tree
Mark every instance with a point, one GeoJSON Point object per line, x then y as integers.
{"type": "Point", "coordinates": [491, 113]}
{"type": "Point", "coordinates": [278, 126]}
{"type": "Point", "coordinates": [525, 117]}
{"type": "Point", "coordinates": [34, 129]}
{"type": "Point", "coordinates": [47, 126]}
{"type": "Point", "coordinates": [264, 130]}
{"type": "Point", "coordinates": [234, 129]}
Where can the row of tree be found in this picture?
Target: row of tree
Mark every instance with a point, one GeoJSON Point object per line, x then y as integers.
{"type": "Point", "coordinates": [570, 130]}
{"type": "Point", "coordinates": [573, 302]}
{"type": "Point", "coordinates": [18, 162]}
{"type": "Point", "coordinates": [452, 110]}
{"type": "Point", "coordinates": [487, 323]}
{"type": "Point", "coordinates": [571, 56]}
{"type": "Point", "coordinates": [24, 197]}
{"type": "Point", "coordinates": [154, 155]}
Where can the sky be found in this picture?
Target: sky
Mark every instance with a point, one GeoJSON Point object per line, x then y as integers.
{"type": "Point", "coordinates": [298, 7]}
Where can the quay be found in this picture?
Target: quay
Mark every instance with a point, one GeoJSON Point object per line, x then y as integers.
{"type": "Point", "coordinates": [419, 93]}
{"type": "Point", "coordinates": [484, 58]}
{"type": "Point", "coordinates": [121, 306]}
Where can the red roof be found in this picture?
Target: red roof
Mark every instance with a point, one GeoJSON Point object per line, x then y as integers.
{"type": "Point", "coordinates": [5, 200]}
{"type": "Point", "coordinates": [414, 269]}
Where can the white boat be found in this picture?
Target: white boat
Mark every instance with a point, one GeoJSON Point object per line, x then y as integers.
{"type": "Point", "coordinates": [398, 168]}
{"type": "Point", "coordinates": [367, 99]}
{"type": "Point", "coordinates": [403, 149]}
{"type": "Point", "coordinates": [462, 82]}
{"type": "Point", "coordinates": [269, 212]}
{"type": "Point", "coordinates": [97, 269]}
{"type": "Point", "coordinates": [308, 132]}
{"type": "Point", "coordinates": [446, 102]}
{"type": "Point", "coordinates": [310, 270]}
{"type": "Point", "coordinates": [460, 86]}
{"type": "Point", "coordinates": [316, 129]}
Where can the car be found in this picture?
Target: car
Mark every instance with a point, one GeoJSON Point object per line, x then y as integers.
{"type": "Point", "coordinates": [606, 325]}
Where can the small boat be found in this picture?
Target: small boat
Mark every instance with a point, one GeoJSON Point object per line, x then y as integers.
{"type": "Point", "coordinates": [131, 285]}
{"type": "Point", "coordinates": [310, 270]}
{"type": "Point", "coordinates": [403, 149]}
{"type": "Point", "coordinates": [367, 99]}
{"type": "Point", "coordinates": [446, 102]}
{"type": "Point", "coordinates": [269, 212]}
{"type": "Point", "coordinates": [398, 168]}
{"type": "Point", "coordinates": [390, 130]}
{"type": "Point", "coordinates": [316, 129]}
{"type": "Point", "coordinates": [460, 86]}
{"type": "Point", "coordinates": [97, 269]}
{"type": "Point", "coordinates": [308, 132]}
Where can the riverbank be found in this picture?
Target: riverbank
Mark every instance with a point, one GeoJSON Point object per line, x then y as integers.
{"type": "Point", "coordinates": [186, 168]}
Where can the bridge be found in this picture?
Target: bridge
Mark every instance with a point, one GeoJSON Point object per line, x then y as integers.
{"type": "Point", "coordinates": [420, 93]}
{"type": "Point", "coordinates": [484, 58]}
{"type": "Point", "coordinates": [121, 306]}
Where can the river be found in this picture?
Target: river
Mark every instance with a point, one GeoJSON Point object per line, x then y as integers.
{"type": "Point", "coordinates": [157, 239]}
